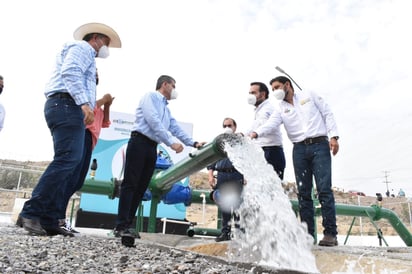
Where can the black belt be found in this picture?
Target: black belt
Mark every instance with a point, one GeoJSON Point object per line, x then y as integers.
{"type": "Point", "coordinates": [227, 170]}
{"type": "Point", "coordinates": [314, 140]}
{"type": "Point", "coordinates": [61, 95]}
{"type": "Point", "coordinates": [269, 147]}
{"type": "Point", "coordinates": [138, 134]}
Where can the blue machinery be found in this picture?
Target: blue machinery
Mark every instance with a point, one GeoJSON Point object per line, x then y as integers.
{"type": "Point", "coordinates": [162, 187]}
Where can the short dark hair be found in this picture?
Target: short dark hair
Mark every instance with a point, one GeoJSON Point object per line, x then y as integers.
{"type": "Point", "coordinates": [162, 79]}
{"type": "Point", "coordinates": [281, 79]}
{"type": "Point", "coordinates": [262, 88]}
{"type": "Point", "coordinates": [228, 118]}
{"type": "Point", "coordinates": [1, 77]}
{"type": "Point", "coordinates": [89, 36]}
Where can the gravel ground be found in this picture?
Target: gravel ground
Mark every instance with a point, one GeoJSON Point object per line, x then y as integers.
{"type": "Point", "coordinates": [95, 252]}
{"type": "Point", "coordinates": [22, 253]}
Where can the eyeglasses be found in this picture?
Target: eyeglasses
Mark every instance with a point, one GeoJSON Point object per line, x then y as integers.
{"type": "Point", "coordinates": [225, 126]}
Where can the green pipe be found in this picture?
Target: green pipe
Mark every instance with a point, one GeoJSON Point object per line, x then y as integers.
{"type": "Point", "coordinates": [163, 181]}
{"type": "Point", "coordinates": [374, 212]}
{"type": "Point", "coordinates": [203, 231]}
{"type": "Point", "coordinates": [349, 231]}
{"type": "Point", "coordinates": [111, 188]}
{"type": "Point", "coordinates": [151, 227]}
{"type": "Point", "coordinates": [197, 197]}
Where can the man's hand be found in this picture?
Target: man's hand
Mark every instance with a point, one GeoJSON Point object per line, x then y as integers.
{"type": "Point", "coordinates": [177, 147]}
{"type": "Point", "coordinates": [88, 114]}
{"type": "Point", "coordinates": [253, 135]}
{"type": "Point", "coordinates": [198, 145]}
{"type": "Point", "coordinates": [211, 179]}
{"type": "Point", "coordinates": [212, 182]}
{"type": "Point", "coordinates": [334, 146]}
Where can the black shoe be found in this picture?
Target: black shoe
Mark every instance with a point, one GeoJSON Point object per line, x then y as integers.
{"type": "Point", "coordinates": [130, 232]}
{"type": "Point", "coordinates": [128, 241]}
{"type": "Point", "coordinates": [126, 232]}
{"type": "Point", "coordinates": [19, 221]}
{"type": "Point", "coordinates": [128, 236]}
{"type": "Point", "coordinates": [58, 231]}
{"type": "Point", "coordinates": [225, 236]}
{"type": "Point", "coordinates": [33, 226]}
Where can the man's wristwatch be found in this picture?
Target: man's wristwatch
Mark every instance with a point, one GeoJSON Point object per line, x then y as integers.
{"type": "Point", "coordinates": [335, 137]}
{"type": "Point", "coordinates": [195, 144]}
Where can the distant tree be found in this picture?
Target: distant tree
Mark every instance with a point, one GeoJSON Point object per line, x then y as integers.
{"type": "Point", "coordinates": [9, 179]}
{"type": "Point", "coordinates": [28, 173]}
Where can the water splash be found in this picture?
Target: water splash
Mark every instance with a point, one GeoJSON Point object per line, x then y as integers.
{"type": "Point", "coordinates": [270, 233]}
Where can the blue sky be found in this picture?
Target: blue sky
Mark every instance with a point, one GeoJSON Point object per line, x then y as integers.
{"type": "Point", "coordinates": [356, 54]}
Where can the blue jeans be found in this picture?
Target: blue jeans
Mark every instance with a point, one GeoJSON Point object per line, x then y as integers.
{"type": "Point", "coordinates": [308, 161]}
{"type": "Point", "coordinates": [79, 176]}
{"type": "Point", "coordinates": [141, 155]}
{"type": "Point", "coordinates": [65, 121]}
{"type": "Point", "coordinates": [275, 156]}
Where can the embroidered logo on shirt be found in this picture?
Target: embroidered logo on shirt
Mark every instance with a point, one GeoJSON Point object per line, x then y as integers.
{"type": "Point", "coordinates": [287, 110]}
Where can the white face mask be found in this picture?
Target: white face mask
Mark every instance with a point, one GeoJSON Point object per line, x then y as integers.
{"type": "Point", "coordinates": [251, 99]}
{"type": "Point", "coordinates": [103, 52]}
{"type": "Point", "coordinates": [173, 94]}
{"type": "Point", "coordinates": [279, 94]}
{"type": "Point", "coordinates": [228, 130]}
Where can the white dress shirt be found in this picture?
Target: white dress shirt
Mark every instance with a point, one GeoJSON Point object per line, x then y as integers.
{"type": "Point", "coordinates": [308, 117]}
{"type": "Point", "coordinates": [262, 114]}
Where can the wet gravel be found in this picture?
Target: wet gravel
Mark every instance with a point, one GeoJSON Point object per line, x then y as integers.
{"type": "Point", "coordinates": [22, 253]}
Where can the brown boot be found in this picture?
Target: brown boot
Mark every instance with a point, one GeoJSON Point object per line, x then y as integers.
{"type": "Point", "coordinates": [328, 240]}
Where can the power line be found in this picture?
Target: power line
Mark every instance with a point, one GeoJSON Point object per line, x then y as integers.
{"type": "Point", "coordinates": [387, 182]}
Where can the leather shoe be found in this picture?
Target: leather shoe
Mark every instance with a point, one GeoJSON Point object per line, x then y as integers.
{"type": "Point", "coordinates": [33, 226]}
{"type": "Point", "coordinates": [58, 231]}
{"type": "Point", "coordinates": [328, 240]}
{"type": "Point", "coordinates": [225, 236]}
{"type": "Point", "coordinates": [19, 221]}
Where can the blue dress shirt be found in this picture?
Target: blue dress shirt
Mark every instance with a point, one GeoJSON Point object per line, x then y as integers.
{"type": "Point", "coordinates": [153, 119]}
{"type": "Point", "coordinates": [75, 73]}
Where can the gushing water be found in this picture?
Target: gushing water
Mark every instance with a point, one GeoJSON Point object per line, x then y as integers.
{"type": "Point", "coordinates": [270, 233]}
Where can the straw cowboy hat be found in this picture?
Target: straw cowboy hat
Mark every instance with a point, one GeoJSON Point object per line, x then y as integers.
{"type": "Point", "coordinates": [85, 29]}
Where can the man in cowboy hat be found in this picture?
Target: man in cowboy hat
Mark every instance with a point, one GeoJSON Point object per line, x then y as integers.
{"type": "Point", "coordinates": [71, 98]}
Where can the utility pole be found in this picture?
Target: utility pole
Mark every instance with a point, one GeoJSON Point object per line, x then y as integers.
{"type": "Point", "coordinates": [387, 182]}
